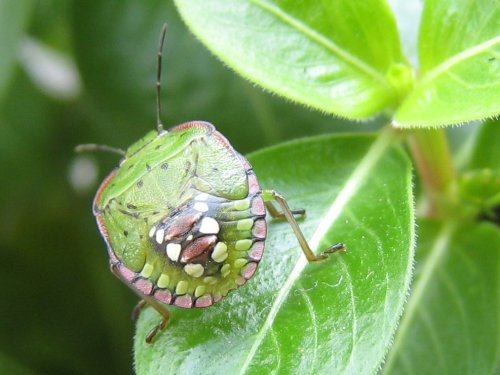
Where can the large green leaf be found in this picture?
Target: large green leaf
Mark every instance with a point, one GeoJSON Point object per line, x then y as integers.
{"type": "Point", "coordinates": [13, 19]}
{"type": "Point", "coordinates": [337, 316]}
{"type": "Point", "coordinates": [452, 322]}
{"type": "Point", "coordinates": [460, 64]}
{"type": "Point", "coordinates": [340, 56]}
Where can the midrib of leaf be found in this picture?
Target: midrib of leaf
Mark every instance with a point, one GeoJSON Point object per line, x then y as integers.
{"type": "Point", "coordinates": [434, 258]}
{"type": "Point", "coordinates": [349, 189]}
{"type": "Point", "coordinates": [328, 44]}
{"type": "Point", "coordinates": [458, 58]}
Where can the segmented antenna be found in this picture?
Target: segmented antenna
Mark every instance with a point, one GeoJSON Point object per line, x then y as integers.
{"type": "Point", "coordinates": [159, 124]}
{"type": "Point", "coordinates": [96, 147]}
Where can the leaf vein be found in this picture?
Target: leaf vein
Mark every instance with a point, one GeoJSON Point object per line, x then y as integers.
{"type": "Point", "coordinates": [310, 309]}
{"type": "Point", "coordinates": [457, 59]}
{"type": "Point", "coordinates": [322, 40]}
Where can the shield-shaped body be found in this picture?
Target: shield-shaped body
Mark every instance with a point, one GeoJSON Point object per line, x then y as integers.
{"type": "Point", "coordinates": [182, 216]}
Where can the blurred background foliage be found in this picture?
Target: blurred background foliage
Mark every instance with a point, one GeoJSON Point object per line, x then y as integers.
{"type": "Point", "coordinates": [84, 71]}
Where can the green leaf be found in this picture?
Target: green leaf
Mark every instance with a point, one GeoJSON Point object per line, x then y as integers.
{"type": "Point", "coordinates": [13, 367]}
{"type": "Point", "coordinates": [486, 153]}
{"type": "Point", "coordinates": [336, 316]}
{"type": "Point", "coordinates": [479, 183]}
{"type": "Point", "coordinates": [452, 322]}
{"type": "Point", "coordinates": [460, 65]}
{"type": "Point", "coordinates": [340, 57]}
{"type": "Point", "coordinates": [13, 19]}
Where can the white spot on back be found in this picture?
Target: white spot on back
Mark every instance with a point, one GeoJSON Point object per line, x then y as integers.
{"type": "Point", "coordinates": [201, 206]}
{"type": "Point", "coordinates": [152, 232]}
{"type": "Point", "coordinates": [220, 252]}
{"type": "Point", "coordinates": [209, 226]}
{"type": "Point", "coordinates": [160, 236]}
{"type": "Point", "coordinates": [201, 197]}
{"type": "Point", "coordinates": [147, 270]}
{"type": "Point", "coordinates": [173, 251]}
{"type": "Point", "coordinates": [182, 287]}
{"type": "Point", "coordinates": [163, 281]}
{"type": "Point", "coordinates": [225, 270]}
{"type": "Point", "coordinates": [195, 270]}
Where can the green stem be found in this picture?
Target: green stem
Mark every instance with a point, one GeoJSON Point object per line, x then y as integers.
{"type": "Point", "coordinates": [434, 163]}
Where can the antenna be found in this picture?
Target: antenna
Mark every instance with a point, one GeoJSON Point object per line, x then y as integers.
{"type": "Point", "coordinates": [95, 147]}
{"type": "Point", "coordinates": [159, 124]}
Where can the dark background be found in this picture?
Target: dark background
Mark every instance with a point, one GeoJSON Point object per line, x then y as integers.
{"type": "Point", "coordinates": [61, 310]}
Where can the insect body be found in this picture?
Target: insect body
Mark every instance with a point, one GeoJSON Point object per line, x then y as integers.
{"type": "Point", "coordinates": [183, 217]}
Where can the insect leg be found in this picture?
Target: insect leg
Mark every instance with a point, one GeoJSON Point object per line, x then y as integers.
{"type": "Point", "coordinates": [163, 311]}
{"type": "Point", "coordinates": [276, 214]}
{"type": "Point", "coordinates": [146, 300]}
{"type": "Point", "coordinates": [269, 195]}
{"type": "Point", "coordinates": [96, 147]}
{"type": "Point", "coordinates": [137, 309]}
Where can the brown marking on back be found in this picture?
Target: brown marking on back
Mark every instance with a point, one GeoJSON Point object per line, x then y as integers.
{"type": "Point", "coordinates": [181, 223]}
{"type": "Point", "coordinates": [195, 249]}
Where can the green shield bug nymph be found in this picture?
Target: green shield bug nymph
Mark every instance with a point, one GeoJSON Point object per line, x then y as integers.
{"type": "Point", "coordinates": [183, 216]}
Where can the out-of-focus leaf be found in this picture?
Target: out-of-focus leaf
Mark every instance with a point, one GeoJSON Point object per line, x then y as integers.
{"type": "Point", "coordinates": [13, 19]}
{"type": "Point", "coordinates": [479, 183]}
{"type": "Point", "coordinates": [119, 75]}
{"type": "Point", "coordinates": [341, 57]}
{"type": "Point", "coordinates": [51, 257]}
{"type": "Point", "coordinates": [451, 324]}
{"type": "Point", "coordinates": [11, 367]}
{"type": "Point", "coordinates": [459, 65]}
{"type": "Point", "coordinates": [486, 152]}
{"type": "Point", "coordinates": [337, 316]}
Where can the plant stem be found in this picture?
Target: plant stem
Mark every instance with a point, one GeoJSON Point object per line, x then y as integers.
{"type": "Point", "coordinates": [434, 163]}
